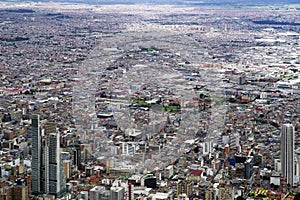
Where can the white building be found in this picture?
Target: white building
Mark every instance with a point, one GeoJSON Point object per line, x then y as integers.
{"type": "Point", "coordinates": [287, 153]}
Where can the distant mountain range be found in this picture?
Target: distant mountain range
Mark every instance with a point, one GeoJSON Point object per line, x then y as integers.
{"type": "Point", "coordinates": [178, 2]}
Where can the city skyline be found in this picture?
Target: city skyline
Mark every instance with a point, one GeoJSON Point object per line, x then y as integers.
{"type": "Point", "coordinates": [147, 101]}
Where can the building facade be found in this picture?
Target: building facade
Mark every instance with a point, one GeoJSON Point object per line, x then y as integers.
{"type": "Point", "coordinates": [117, 193]}
{"type": "Point", "coordinates": [287, 153]}
{"type": "Point", "coordinates": [48, 175]}
{"type": "Point", "coordinates": [36, 154]}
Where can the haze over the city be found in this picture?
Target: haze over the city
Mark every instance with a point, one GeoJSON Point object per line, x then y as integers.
{"type": "Point", "coordinates": [177, 2]}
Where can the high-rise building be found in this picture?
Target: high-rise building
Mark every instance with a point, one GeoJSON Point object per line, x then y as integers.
{"type": "Point", "coordinates": [99, 193]}
{"type": "Point", "coordinates": [184, 187]}
{"type": "Point", "coordinates": [36, 154]}
{"type": "Point", "coordinates": [67, 168]}
{"type": "Point", "coordinates": [117, 193]}
{"type": "Point", "coordinates": [48, 175]}
{"type": "Point", "coordinates": [210, 194]}
{"type": "Point", "coordinates": [57, 180]}
{"type": "Point", "coordinates": [77, 156]}
{"type": "Point", "coordinates": [287, 153]}
{"type": "Point", "coordinates": [248, 168]}
{"type": "Point", "coordinates": [150, 182]}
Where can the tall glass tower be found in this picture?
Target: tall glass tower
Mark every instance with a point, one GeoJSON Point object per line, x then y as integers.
{"type": "Point", "coordinates": [47, 169]}
{"type": "Point", "coordinates": [36, 154]}
{"type": "Point", "coordinates": [57, 180]}
{"type": "Point", "coordinates": [287, 153]}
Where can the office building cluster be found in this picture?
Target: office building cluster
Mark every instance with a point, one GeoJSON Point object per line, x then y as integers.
{"type": "Point", "coordinates": [48, 175]}
{"type": "Point", "coordinates": [149, 102]}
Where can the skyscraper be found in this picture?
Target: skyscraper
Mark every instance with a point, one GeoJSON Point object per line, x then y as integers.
{"type": "Point", "coordinates": [47, 168]}
{"type": "Point", "coordinates": [287, 153]}
{"type": "Point", "coordinates": [36, 154]}
{"type": "Point", "coordinates": [117, 193]}
{"type": "Point", "coordinates": [57, 180]}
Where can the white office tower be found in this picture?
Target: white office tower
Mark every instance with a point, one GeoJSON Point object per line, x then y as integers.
{"type": "Point", "coordinates": [207, 147]}
{"type": "Point", "coordinates": [117, 193]}
{"type": "Point", "coordinates": [277, 165]}
{"type": "Point", "coordinates": [129, 148]}
{"type": "Point", "coordinates": [297, 169]}
{"type": "Point", "coordinates": [287, 153]}
{"type": "Point", "coordinates": [297, 164]}
{"type": "Point", "coordinates": [99, 193]}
